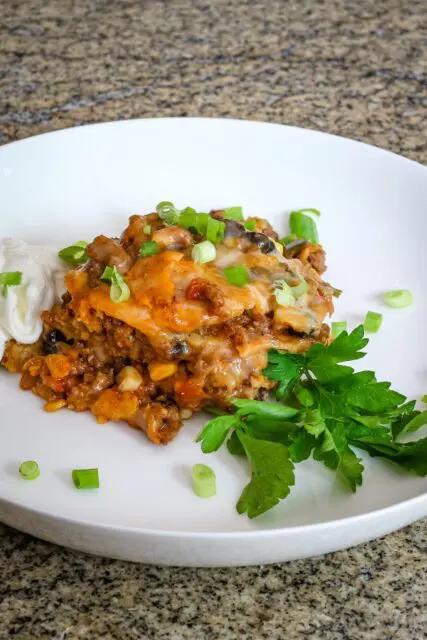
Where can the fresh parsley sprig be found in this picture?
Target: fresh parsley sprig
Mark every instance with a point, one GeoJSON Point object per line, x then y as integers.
{"type": "Point", "coordinates": [325, 409]}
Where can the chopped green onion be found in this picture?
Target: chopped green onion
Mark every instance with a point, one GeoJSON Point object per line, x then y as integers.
{"type": "Point", "coordinates": [203, 481]}
{"type": "Point", "coordinates": [250, 225]}
{"type": "Point", "coordinates": [424, 399]}
{"type": "Point", "coordinates": [283, 293]}
{"type": "Point", "coordinates": [188, 220]}
{"type": "Point", "coordinates": [85, 478]}
{"type": "Point", "coordinates": [338, 327]}
{"type": "Point", "coordinates": [202, 221]}
{"type": "Point", "coordinates": [149, 248]}
{"type": "Point", "coordinates": [75, 254]}
{"type": "Point", "coordinates": [398, 299]}
{"type": "Point", "coordinates": [214, 230]}
{"type": "Point", "coordinates": [168, 212]}
{"type": "Point", "coordinates": [288, 239]}
{"type": "Point", "coordinates": [203, 252]}
{"type": "Point", "coordinates": [373, 322]}
{"type": "Point", "coordinates": [303, 227]}
{"type": "Point", "coordinates": [119, 290]}
{"type": "Point", "coordinates": [119, 293]}
{"type": "Point", "coordinates": [29, 470]}
{"type": "Point", "coordinates": [188, 210]}
{"type": "Point", "coordinates": [300, 288]}
{"type": "Point", "coordinates": [237, 275]}
{"type": "Point", "coordinates": [147, 229]}
{"type": "Point", "coordinates": [109, 274]}
{"type": "Point", "coordinates": [202, 224]}
{"type": "Point", "coordinates": [10, 278]}
{"type": "Point", "coordinates": [233, 213]}
{"type": "Point", "coordinates": [195, 222]}
{"type": "Point", "coordinates": [310, 210]}
{"type": "Point", "coordinates": [336, 292]}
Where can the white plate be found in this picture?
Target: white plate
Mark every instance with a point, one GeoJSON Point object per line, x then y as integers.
{"type": "Point", "coordinates": [84, 181]}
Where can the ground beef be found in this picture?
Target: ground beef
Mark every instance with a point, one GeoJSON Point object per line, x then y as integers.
{"type": "Point", "coordinates": [202, 290]}
{"type": "Point", "coordinates": [88, 360]}
{"type": "Point", "coordinates": [314, 255]}
{"type": "Point", "coordinates": [161, 423]}
{"type": "Point", "coordinates": [94, 272]}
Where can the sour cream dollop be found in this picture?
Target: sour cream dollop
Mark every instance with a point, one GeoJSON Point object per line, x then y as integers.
{"type": "Point", "coordinates": [41, 285]}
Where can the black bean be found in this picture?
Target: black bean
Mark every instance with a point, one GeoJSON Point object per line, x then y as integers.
{"type": "Point", "coordinates": [233, 229]}
{"type": "Point", "coordinates": [263, 242]}
{"type": "Point", "coordinates": [179, 349]}
{"type": "Point", "coordinates": [51, 339]}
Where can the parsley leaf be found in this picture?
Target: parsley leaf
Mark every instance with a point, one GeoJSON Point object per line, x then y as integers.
{"type": "Point", "coordinates": [302, 445]}
{"type": "Point", "coordinates": [346, 347]}
{"type": "Point", "coordinates": [234, 445]}
{"type": "Point", "coordinates": [326, 410]}
{"type": "Point", "coordinates": [277, 431]}
{"type": "Point", "coordinates": [314, 423]}
{"type": "Point", "coordinates": [410, 422]}
{"type": "Point", "coordinates": [412, 456]}
{"type": "Point", "coordinates": [216, 431]}
{"type": "Point", "coordinates": [272, 475]}
{"type": "Point", "coordinates": [336, 454]}
{"type": "Point", "coordinates": [283, 371]}
{"type": "Point", "coordinates": [265, 410]}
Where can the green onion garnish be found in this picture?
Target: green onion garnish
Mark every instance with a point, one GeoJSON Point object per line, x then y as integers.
{"type": "Point", "coordinates": [149, 248]}
{"type": "Point", "coordinates": [168, 212]}
{"type": "Point", "coordinates": [398, 299]}
{"type": "Point", "coordinates": [424, 399]}
{"type": "Point", "coordinates": [288, 239]}
{"type": "Point", "coordinates": [250, 225]}
{"type": "Point", "coordinates": [373, 322]}
{"type": "Point", "coordinates": [195, 222]}
{"type": "Point", "coordinates": [203, 481]}
{"type": "Point", "coordinates": [75, 254]}
{"type": "Point", "coordinates": [203, 252]}
{"type": "Point", "coordinates": [214, 230]}
{"type": "Point", "coordinates": [237, 275]}
{"type": "Point", "coordinates": [283, 293]}
{"type": "Point", "coordinates": [29, 470]}
{"type": "Point", "coordinates": [309, 210]}
{"type": "Point", "coordinates": [202, 221]}
{"type": "Point", "coordinates": [303, 226]}
{"type": "Point", "coordinates": [188, 210]}
{"type": "Point", "coordinates": [300, 288]}
{"type": "Point", "coordinates": [10, 278]}
{"type": "Point", "coordinates": [188, 219]}
{"type": "Point", "coordinates": [147, 229]}
{"type": "Point", "coordinates": [119, 290]}
{"type": "Point", "coordinates": [233, 213]}
{"type": "Point", "coordinates": [85, 478]}
{"type": "Point", "coordinates": [338, 327]}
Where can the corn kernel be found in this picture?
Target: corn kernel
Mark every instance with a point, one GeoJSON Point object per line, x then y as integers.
{"type": "Point", "coordinates": [129, 379]}
{"type": "Point", "coordinates": [59, 366]}
{"type": "Point", "coordinates": [55, 405]}
{"type": "Point", "coordinates": [160, 371]}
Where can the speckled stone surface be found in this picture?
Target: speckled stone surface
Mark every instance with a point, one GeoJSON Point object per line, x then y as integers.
{"type": "Point", "coordinates": [354, 68]}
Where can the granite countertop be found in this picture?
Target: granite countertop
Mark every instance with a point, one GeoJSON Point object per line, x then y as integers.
{"type": "Point", "coordinates": [352, 68]}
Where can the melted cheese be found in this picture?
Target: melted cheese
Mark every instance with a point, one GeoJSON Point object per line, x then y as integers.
{"type": "Point", "coordinates": [158, 306]}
